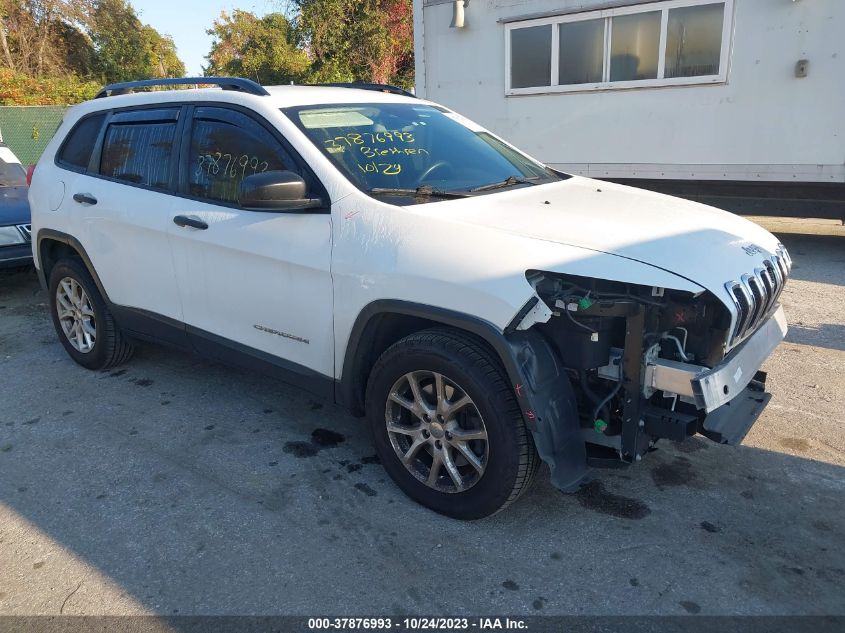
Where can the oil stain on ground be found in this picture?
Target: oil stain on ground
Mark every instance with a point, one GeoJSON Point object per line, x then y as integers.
{"type": "Point", "coordinates": [690, 606]}
{"type": "Point", "coordinates": [690, 445]}
{"type": "Point", "coordinates": [595, 497]}
{"type": "Point", "coordinates": [320, 439]}
{"type": "Point", "coordinates": [677, 473]}
{"type": "Point", "coordinates": [795, 444]}
{"type": "Point", "coordinates": [366, 489]}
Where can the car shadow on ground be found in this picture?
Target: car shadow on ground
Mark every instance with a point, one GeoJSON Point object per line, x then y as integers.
{"type": "Point", "coordinates": [200, 489]}
{"type": "Point", "coordinates": [829, 335]}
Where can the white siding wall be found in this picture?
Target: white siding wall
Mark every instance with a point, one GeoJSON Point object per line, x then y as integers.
{"type": "Point", "coordinates": [762, 124]}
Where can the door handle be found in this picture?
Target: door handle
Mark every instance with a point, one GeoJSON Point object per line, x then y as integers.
{"type": "Point", "coordinates": [84, 198]}
{"type": "Point", "coordinates": [187, 220]}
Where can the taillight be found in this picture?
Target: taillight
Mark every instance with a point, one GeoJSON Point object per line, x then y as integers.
{"type": "Point", "coordinates": [29, 171]}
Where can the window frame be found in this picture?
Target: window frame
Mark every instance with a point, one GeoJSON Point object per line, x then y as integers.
{"type": "Point", "coordinates": [300, 166]}
{"type": "Point", "coordinates": [58, 160]}
{"type": "Point", "coordinates": [663, 6]}
{"type": "Point", "coordinates": [181, 146]}
{"type": "Point", "coordinates": [135, 116]}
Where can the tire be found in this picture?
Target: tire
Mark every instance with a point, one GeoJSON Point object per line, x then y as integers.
{"type": "Point", "coordinates": [507, 457]}
{"type": "Point", "coordinates": [105, 345]}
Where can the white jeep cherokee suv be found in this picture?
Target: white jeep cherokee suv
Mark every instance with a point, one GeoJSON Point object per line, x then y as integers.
{"type": "Point", "coordinates": [484, 311]}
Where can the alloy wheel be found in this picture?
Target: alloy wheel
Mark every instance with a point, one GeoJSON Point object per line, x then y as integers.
{"type": "Point", "coordinates": [76, 315]}
{"type": "Point", "coordinates": [437, 431]}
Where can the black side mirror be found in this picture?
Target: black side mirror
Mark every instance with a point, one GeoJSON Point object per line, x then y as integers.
{"type": "Point", "coordinates": [275, 191]}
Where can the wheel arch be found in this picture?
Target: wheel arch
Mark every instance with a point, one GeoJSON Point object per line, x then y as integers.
{"type": "Point", "coordinates": [54, 245]}
{"type": "Point", "coordinates": [533, 366]}
{"type": "Point", "coordinates": [385, 321]}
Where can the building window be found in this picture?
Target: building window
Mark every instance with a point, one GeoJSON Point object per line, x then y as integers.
{"type": "Point", "coordinates": [694, 40]}
{"type": "Point", "coordinates": [531, 62]}
{"type": "Point", "coordinates": [634, 46]}
{"type": "Point", "coordinates": [581, 52]}
{"type": "Point", "coordinates": [673, 42]}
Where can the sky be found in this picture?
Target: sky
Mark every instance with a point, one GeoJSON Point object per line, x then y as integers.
{"type": "Point", "coordinates": [188, 20]}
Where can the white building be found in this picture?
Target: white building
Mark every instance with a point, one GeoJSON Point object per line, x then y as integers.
{"type": "Point", "coordinates": [720, 100]}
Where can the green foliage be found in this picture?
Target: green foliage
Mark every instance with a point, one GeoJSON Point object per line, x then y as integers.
{"type": "Point", "coordinates": [126, 49]}
{"type": "Point", "coordinates": [263, 49]}
{"type": "Point", "coordinates": [61, 51]}
{"type": "Point", "coordinates": [20, 89]}
{"type": "Point", "coordinates": [358, 40]}
{"type": "Point", "coordinates": [76, 50]}
{"type": "Point", "coordinates": [35, 34]}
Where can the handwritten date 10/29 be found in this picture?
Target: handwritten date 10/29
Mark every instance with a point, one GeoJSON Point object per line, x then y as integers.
{"type": "Point", "coordinates": [229, 165]}
{"type": "Point", "coordinates": [387, 169]}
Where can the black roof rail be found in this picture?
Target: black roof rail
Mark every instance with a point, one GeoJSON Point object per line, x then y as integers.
{"type": "Point", "coordinates": [395, 90]}
{"type": "Point", "coordinates": [226, 83]}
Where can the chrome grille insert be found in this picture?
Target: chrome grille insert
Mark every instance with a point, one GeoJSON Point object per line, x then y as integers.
{"type": "Point", "coordinates": [755, 295]}
{"type": "Point", "coordinates": [26, 231]}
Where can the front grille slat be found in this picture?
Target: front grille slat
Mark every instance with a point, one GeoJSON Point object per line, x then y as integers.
{"type": "Point", "coordinates": [756, 294]}
{"type": "Point", "coordinates": [26, 231]}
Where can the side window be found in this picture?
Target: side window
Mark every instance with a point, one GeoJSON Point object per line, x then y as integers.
{"type": "Point", "coordinates": [140, 151]}
{"type": "Point", "coordinates": [226, 147]}
{"type": "Point", "coordinates": [79, 145]}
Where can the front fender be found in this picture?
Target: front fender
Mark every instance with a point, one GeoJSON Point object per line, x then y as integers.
{"type": "Point", "coordinates": [548, 406]}
{"type": "Point", "coordinates": [537, 378]}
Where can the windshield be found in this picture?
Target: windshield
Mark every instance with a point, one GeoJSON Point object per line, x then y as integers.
{"type": "Point", "coordinates": [12, 174]}
{"type": "Point", "coordinates": [396, 149]}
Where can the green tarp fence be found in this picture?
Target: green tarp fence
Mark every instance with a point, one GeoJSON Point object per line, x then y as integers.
{"type": "Point", "coordinates": [28, 129]}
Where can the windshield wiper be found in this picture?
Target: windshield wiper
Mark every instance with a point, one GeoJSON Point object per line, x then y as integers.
{"type": "Point", "coordinates": [510, 181]}
{"type": "Point", "coordinates": [424, 191]}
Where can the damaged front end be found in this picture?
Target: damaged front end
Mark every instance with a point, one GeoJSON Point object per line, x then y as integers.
{"type": "Point", "coordinates": [609, 368]}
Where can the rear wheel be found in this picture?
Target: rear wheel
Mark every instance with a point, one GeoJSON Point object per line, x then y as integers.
{"type": "Point", "coordinates": [447, 427]}
{"type": "Point", "coordinates": [82, 319]}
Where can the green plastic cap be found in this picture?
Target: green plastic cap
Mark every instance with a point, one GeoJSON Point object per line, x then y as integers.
{"type": "Point", "coordinates": [600, 425]}
{"type": "Point", "coordinates": [584, 303]}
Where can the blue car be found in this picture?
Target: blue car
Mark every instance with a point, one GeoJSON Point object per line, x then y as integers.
{"type": "Point", "coordinates": [15, 248]}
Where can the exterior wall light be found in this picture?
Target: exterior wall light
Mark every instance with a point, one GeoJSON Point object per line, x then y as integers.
{"type": "Point", "coordinates": [458, 21]}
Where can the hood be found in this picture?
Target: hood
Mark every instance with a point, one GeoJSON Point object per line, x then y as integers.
{"type": "Point", "coordinates": [14, 207]}
{"type": "Point", "coordinates": [704, 245]}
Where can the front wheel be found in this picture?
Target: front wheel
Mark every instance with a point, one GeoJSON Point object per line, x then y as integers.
{"type": "Point", "coordinates": [82, 319]}
{"type": "Point", "coordinates": [447, 427]}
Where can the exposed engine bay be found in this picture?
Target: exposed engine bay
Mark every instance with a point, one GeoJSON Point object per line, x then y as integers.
{"type": "Point", "coordinates": [636, 358]}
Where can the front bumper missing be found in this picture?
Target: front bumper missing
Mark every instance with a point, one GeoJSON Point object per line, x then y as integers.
{"type": "Point", "coordinates": [712, 388]}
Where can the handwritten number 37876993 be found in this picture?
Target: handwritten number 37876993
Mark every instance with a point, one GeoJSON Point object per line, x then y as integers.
{"type": "Point", "coordinates": [229, 165]}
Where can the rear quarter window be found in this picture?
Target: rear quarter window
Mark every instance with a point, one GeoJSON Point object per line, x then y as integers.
{"type": "Point", "coordinates": [77, 149]}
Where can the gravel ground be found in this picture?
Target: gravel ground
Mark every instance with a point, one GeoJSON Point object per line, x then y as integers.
{"type": "Point", "coordinates": [173, 485]}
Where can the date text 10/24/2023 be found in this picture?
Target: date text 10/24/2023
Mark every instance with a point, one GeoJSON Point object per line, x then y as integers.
{"type": "Point", "coordinates": [417, 624]}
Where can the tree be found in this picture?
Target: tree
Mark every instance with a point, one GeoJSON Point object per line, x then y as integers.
{"type": "Point", "coordinates": [58, 51]}
{"type": "Point", "coordinates": [34, 34]}
{"type": "Point", "coordinates": [162, 58]}
{"type": "Point", "coordinates": [263, 49]}
{"type": "Point", "coordinates": [358, 40]}
{"type": "Point", "coordinates": [75, 49]}
{"type": "Point", "coordinates": [128, 50]}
